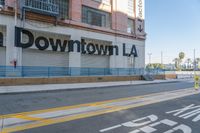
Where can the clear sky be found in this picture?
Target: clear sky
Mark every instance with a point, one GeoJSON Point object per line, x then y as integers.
{"type": "Point", "coordinates": [172, 26]}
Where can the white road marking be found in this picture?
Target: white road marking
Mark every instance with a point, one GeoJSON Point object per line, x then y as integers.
{"type": "Point", "coordinates": [110, 128]}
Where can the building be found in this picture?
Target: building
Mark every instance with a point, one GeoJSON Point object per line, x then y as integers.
{"type": "Point", "coordinates": [72, 33]}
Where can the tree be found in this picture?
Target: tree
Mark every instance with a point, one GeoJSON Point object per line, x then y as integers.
{"type": "Point", "coordinates": [177, 63]}
{"type": "Point", "coordinates": [181, 55]}
{"type": "Point", "coordinates": [198, 62]}
{"type": "Point", "coordinates": [155, 66]}
{"type": "Point", "coordinates": [188, 61]}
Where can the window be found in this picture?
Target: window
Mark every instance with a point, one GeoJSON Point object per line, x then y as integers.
{"type": "Point", "coordinates": [131, 7]}
{"type": "Point", "coordinates": [50, 7]}
{"type": "Point", "coordinates": [95, 17]}
{"type": "Point", "coordinates": [2, 2]}
{"type": "Point", "coordinates": [104, 1]}
{"type": "Point", "coordinates": [63, 9]}
{"type": "Point", "coordinates": [131, 26]}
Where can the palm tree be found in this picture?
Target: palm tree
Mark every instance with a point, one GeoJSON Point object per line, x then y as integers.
{"type": "Point", "coordinates": [188, 61]}
{"type": "Point", "coordinates": [198, 61]}
{"type": "Point", "coordinates": [177, 63]}
{"type": "Point", "coordinates": [181, 55]}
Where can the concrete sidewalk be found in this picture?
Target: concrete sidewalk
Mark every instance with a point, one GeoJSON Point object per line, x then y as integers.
{"type": "Point", "coordinates": [54, 87]}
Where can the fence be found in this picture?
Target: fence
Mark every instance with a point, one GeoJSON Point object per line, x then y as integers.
{"type": "Point", "coordinates": [38, 71]}
{"type": "Point", "coordinates": [48, 7]}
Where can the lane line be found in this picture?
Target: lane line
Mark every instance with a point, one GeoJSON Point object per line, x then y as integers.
{"type": "Point", "coordinates": [107, 109]}
{"type": "Point", "coordinates": [75, 106]}
{"type": "Point", "coordinates": [29, 118]}
{"type": "Point", "coordinates": [110, 128]}
{"type": "Point", "coordinates": [84, 105]}
{"type": "Point", "coordinates": [64, 119]}
{"type": "Point", "coordinates": [84, 115]}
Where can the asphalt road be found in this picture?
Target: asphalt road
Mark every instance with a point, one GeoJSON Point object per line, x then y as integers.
{"type": "Point", "coordinates": [15, 103]}
{"type": "Point", "coordinates": [157, 116]}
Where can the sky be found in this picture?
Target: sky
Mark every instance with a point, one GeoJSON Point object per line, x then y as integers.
{"type": "Point", "coordinates": [172, 26]}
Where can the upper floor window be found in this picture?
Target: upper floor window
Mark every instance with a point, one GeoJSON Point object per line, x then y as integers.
{"type": "Point", "coordinates": [96, 17]}
{"type": "Point", "coordinates": [131, 7]}
{"type": "Point", "coordinates": [131, 26]}
{"type": "Point", "coordinates": [63, 9]}
{"type": "Point", "coordinates": [50, 7]}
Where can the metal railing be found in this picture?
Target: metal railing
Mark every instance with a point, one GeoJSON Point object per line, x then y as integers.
{"type": "Point", "coordinates": [41, 6]}
{"type": "Point", "coordinates": [39, 71]}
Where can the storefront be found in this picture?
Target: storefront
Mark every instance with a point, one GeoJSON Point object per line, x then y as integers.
{"type": "Point", "coordinates": [59, 46]}
{"type": "Point", "coordinates": [36, 55]}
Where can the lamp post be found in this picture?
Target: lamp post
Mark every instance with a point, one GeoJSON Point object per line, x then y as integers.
{"type": "Point", "coordinates": [161, 57]}
{"type": "Point", "coordinates": [149, 54]}
{"type": "Point", "coordinates": [194, 63]}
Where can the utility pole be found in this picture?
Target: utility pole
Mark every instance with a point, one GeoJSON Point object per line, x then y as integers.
{"type": "Point", "coordinates": [161, 57]}
{"type": "Point", "coordinates": [149, 57]}
{"type": "Point", "coordinates": [194, 60]}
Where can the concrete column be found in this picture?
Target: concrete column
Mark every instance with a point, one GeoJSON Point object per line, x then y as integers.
{"type": "Point", "coordinates": [12, 53]}
{"type": "Point", "coordinates": [75, 13]}
{"type": "Point", "coordinates": [75, 59]}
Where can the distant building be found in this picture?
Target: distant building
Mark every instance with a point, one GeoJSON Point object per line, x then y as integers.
{"type": "Point", "coordinates": [73, 33]}
{"type": "Point", "coordinates": [169, 66]}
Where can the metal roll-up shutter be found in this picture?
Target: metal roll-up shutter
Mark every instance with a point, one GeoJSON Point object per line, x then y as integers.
{"type": "Point", "coordinates": [2, 61]}
{"type": "Point", "coordinates": [34, 57]}
{"type": "Point", "coordinates": [2, 56]}
{"type": "Point", "coordinates": [95, 61]}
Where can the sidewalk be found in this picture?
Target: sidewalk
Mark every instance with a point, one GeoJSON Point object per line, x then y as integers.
{"type": "Point", "coordinates": [56, 87]}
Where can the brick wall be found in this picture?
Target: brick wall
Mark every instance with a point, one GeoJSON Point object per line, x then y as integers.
{"type": "Point", "coordinates": [118, 9]}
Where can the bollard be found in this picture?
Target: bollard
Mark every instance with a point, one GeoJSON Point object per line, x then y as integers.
{"type": "Point", "coordinates": [196, 82]}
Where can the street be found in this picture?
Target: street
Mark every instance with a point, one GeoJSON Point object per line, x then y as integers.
{"type": "Point", "coordinates": [15, 103]}
{"type": "Point", "coordinates": [102, 122]}
{"type": "Point", "coordinates": [100, 109]}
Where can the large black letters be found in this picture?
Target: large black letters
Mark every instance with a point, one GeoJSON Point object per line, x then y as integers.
{"type": "Point", "coordinates": [101, 48]}
{"type": "Point", "coordinates": [83, 43]}
{"type": "Point", "coordinates": [91, 48]}
{"type": "Point", "coordinates": [124, 50]}
{"type": "Point", "coordinates": [38, 43]}
{"type": "Point", "coordinates": [18, 43]}
{"type": "Point", "coordinates": [134, 51]}
{"type": "Point", "coordinates": [71, 45]}
{"type": "Point", "coordinates": [42, 43]}
{"type": "Point", "coordinates": [58, 43]}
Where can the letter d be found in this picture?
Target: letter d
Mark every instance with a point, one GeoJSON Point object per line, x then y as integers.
{"type": "Point", "coordinates": [18, 41]}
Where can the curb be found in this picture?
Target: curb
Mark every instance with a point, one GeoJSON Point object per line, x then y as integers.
{"type": "Point", "coordinates": [82, 88]}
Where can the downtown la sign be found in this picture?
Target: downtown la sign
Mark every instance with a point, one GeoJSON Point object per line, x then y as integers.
{"type": "Point", "coordinates": [43, 43]}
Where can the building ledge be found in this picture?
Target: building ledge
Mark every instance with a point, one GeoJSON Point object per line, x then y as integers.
{"type": "Point", "coordinates": [73, 24]}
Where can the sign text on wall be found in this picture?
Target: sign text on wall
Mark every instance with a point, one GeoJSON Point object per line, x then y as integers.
{"type": "Point", "coordinates": [43, 43]}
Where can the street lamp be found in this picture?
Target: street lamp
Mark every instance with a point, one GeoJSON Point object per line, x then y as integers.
{"type": "Point", "coordinates": [149, 54]}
